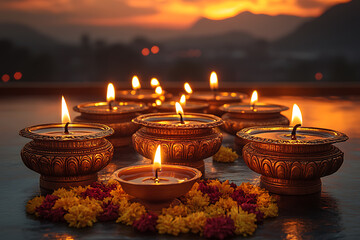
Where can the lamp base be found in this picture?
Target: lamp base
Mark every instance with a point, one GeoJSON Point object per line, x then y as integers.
{"type": "Point", "coordinates": [290, 187]}
{"type": "Point", "coordinates": [48, 184]}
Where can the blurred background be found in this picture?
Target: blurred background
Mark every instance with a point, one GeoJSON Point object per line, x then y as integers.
{"type": "Point", "coordinates": [179, 40]}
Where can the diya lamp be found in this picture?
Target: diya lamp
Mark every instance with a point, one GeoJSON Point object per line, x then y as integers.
{"type": "Point", "coordinates": [291, 160]}
{"type": "Point", "coordinates": [67, 154]}
{"type": "Point", "coordinates": [186, 139]}
{"type": "Point", "coordinates": [156, 186]}
{"type": "Point", "coordinates": [239, 115]}
{"type": "Point", "coordinates": [216, 98]}
{"type": "Point", "coordinates": [117, 115]}
{"type": "Point", "coordinates": [147, 96]}
{"type": "Point", "coordinates": [187, 106]}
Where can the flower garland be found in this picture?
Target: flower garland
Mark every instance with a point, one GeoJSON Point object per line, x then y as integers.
{"type": "Point", "coordinates": [225, 155]}
{"type": "Point", "coordinates": [212, 208]}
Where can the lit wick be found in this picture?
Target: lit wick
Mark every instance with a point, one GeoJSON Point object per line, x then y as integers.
{"type": "Point", "coordinates": [293, 133]}
{"type": "Point", "coordinates": [110, 105]}
{"type": "Point", "coordinates": [179, 111]}
{"type": "Point", "coordinates": [214, 83]}
{"type": "Point", "coordinates": [254, 99]}
{"type": "Point", "coordinates": [157, 164]}
{"type": "Point", "coordinates": [66, 128]}
{"type": "Point", "coordinates": [110, 95]}
{"type": "Point", "coordinates": [65, 116]}
{"type": "Point", "coordinates": [156, 179]}
{"type": "Point", "coordinates": [136, 84]}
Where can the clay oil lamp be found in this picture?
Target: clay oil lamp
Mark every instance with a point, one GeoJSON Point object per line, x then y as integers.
{"type": "Point", "coordinates": [187, 106]}
{"type": "Point", "coordinates": [67, 154]}
{"type": "Point", "coordinates": [186, 139]}
{"type": "Point", "coordinates": [291, 160]}
{"type": "Point", "coordinates": [216, 98]}
{"type": "Point", "coordinates": [239, 115]}
{"type": "Point", "coordinates": [156, 186]}
{"type": "Point", "coordinates": [147, 96]}
{"type": "Point", "coordinates": [117, 115]}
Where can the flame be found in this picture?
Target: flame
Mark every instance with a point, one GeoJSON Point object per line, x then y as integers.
{"type": "Point", "coordinates": [135, 83]}
{"type": "Point", "coordinates": [178, 108]}
{"type": "Point", "coordinates": [154, 82]}
{"type": "Point", "coordinates": [213, 81]}
{"type": "Point", "coordinates": [110, 95]}
{"type": "Point", "coordinates": [158, 90]}
{"type": "Point", "coordinates": [157, 158]}
{"type": "Point", "coordinates": [65, 116]}
{"type": "Point", "coordinates": [296, 115]}
{"type": "Point", "coordinates": [188, 88]}
{"type": "Point", "coordinates": [183, 100]}
{"type": "Point", "coordinates": [254, 97]}
{"type": "Point", "coordinates": [158, 102]}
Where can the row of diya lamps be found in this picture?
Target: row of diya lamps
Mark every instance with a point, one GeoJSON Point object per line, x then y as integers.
{"type": "Point", "coordinates": [290, 159]}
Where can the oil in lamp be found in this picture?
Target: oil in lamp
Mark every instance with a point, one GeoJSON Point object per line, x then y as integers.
{"type": "Point", "coordinates": [186, 139]}
{"type": "Point", "coordinates": [187, 106]}
{"type": "Point", "coordinates": [67, 154]}
{"type": "Point", "coordinates": [157, 186]}
{"type": "Point", "coordinates": [239, 115]}
{"type": "Point", "coordinates": [117, 115]}
{"type": "Point", "coordinates": [147, 96]}
{"type": "Point", "coordinates": [216, 98]}
{"type": "Point", "coordinates": [291, 160]}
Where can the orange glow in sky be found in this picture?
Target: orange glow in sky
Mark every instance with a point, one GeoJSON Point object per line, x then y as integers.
{"type": "Point", "coordinates": [161, 13]}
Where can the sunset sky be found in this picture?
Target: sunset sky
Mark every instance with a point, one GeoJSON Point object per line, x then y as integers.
{"type": "Point", "coordinates": [149, 13]}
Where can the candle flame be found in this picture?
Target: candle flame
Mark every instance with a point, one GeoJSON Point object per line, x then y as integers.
{"type": "Point", "coordinates": [254, 97]}
{"type": "Point", "coordinates": [154, 82]}
{"type": "Point", "coordinates": [187, 88]}
{"type": "Point", "coordinates": [135, 83]}
{"type": "Point", "coordinates": [65, 116]}
{"type": "Point", "coordinates": [157, 158]}
{"type": "Point", "coordinates": [183, 100]}
{"type": "Point", "coordinates": [214, 81]}
{"type": "Point", "coordinates": [296, 116]}
{"type": "Point", "coordinates": [158, 102]}
{"type": "Point", "coordinates": [110, 95]}
{"type": "Point", "coordinates": [158, 90]}
{"type": "Point", "coordinates": [178, 108]}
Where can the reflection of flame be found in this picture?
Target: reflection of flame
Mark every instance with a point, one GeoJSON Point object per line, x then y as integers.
{"type": "Point", "coordinates": [154, 82]}
{"type": "Point", "coordinates": [254, 98]}
{"type": "Point", "coordinates": [135, 83]}
{"type": "Point", "coordinates": [183, 100]}
{"type": "Point", "coordinates": [65, 116]}
{"type": "Point", "coordinates": [110, 95]}
{"type": "Point", "coordinates": [178, 108]}
{"type": "Point", "coordinates": [158, 102]}
{"type": "Point", "coordinates": [157, 158]}
{"type": "Point", "coordinates": [296, 116]}
{"type": "Point", "coordinates": [187, 88]}
{"type": "Point", "coordinates": [158, 90]}
{"type": "Point", "coordinates": [213, 81]}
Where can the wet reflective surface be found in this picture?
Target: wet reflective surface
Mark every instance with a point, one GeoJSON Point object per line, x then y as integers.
{"type": "Point", "coordinates": [331, 214]}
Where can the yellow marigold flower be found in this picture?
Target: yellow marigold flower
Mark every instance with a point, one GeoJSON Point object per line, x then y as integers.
{"type": "Point", "coordinates": [223, 187]}
{"type": "Point", "coordinates": [92, 204]}
{"type": "Point", "coordinates": [196, 200]}
{"type": "Point", "coordinates": [66, 203]}
{"type": "Point", "coordinates": [195, 222]}
{"type": "Point", "coordinates": [178, 210]}
{"type": "Point", "coordinates": [122, 203]}
{"type": "Point", "coordinates": [249, 188]}
{"type": "Point", "coordinates": [225, 154]}
{"type": "Point", "coordinates": [244, 222]}
{"type": "Point", "coordinates": [80, 189]}
{"type": "Point", "coordinates": [112, 182]}
{"type": "Point", "coordinates": [226, 203]}
{"type": "Point", "coordinates": [64, 193]}
{"type": "Point", "coordinates": [80, 216]}
{"type": "Point", "coordinates": [171, 225]}
{"type": "Point", "coordinates": [214, 211]}
{"type": "Point", "coordinates": [32, 204]}
{"type": "Point", "coordinates": [133, 212]}
{"type": "Point", "coordinates": [119, 193]}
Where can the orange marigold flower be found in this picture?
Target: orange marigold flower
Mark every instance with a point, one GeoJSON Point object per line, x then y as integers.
{"type": "Point", "coordinates": [171, 225]}
{"type": "Point", "coordinates": [80, 216]}
{"type": "Point", "coordinates": [133, 212]}
{"type": "Point", "coordinates": [244, 222]}
{"type": "Point", "coordinates": [33, 204]}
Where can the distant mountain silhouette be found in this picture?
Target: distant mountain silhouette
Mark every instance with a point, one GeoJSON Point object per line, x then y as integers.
{"type": "Point", "coordinates": [215, 41]}
{"type": "Point", "coordinates": [25, 36]}
{"type": "Point", "coordinates": [336, 31]}
{"type": "Point", "coordinates": [259, 25]}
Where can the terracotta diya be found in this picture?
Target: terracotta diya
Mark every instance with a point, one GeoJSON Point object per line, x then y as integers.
{"type": "Point", "coordinates": [157, 186]}
{"type": "Point", "coordinates": [187, 106]}
{"type": "Point", "coordinates": [67, 154]}
{"type": "Point", "coordinates": [239, 116]}
{"type": "Point", "coordinates": [291, 160]}
{"type": "Point", "coordinates": [186, 139]}
{"type": "Point", "coordinates": [216, 98]}
{"type": "Point", "coordinates": [117, 115]}
{"type": "Point", "coordinates": [147, 96]}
